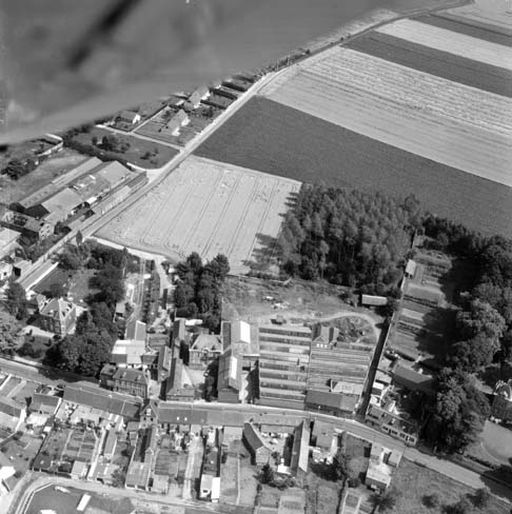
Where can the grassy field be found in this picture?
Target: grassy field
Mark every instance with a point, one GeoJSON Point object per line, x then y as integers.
{"type": "Point", "coordinates": [271, 137]}
{"type": "Point", "coordinates": [442, 64]}
{"type": "Point", "coordinates": [14, 190]}
{"type": "Point", "coordinates": [206, 207]}
{"type": "Point", "coordinates": [414, 482]}
{"type": "Point", "coordinates": [138, 148]}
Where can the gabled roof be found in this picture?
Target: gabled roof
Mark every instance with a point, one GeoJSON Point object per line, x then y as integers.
{"type": "Point", "coordinates": [253, 437]}
{"type": "Point", "coordinates": [128, 115]}
{"type": "Point", "coordinates": [116, 403]}
{"type": "Point", "coordinates": [10, 407]}
{"type": "Point", "coordinates": [131, 375]}
{"type": "Point", "coordinates": [208, 342]}
{"type": "Point", "coordinates": [411, 379]}
{"type": "Point", "coordinates": [44, 400]}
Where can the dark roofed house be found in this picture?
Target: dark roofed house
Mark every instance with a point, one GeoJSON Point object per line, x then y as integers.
{"type": "Point", "coordinates": [229, 377]}
{"type": "Point", "coordinates": [164, 363]}
{"type": "Point", "coordinates": [45, 404]}
{"type": "Point", "coordinates": [260, 452]}
{"type": "Point", "coordinates": [323, 434]}
{"type": "Point", "coordinates": [407, 377]}
{"type": "Point", "coordinates": [131, 381]}
{"type": "Point", "coordinates": [337, 404]}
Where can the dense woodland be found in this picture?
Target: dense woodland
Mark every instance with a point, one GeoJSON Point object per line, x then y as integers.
{"type": "Point", "coordinates": [197, 293]}
{"type": "Point", "coordinates": [347, 237]}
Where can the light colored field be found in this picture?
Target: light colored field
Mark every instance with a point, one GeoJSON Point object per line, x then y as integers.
{"type": "Point", "coordinates": [451, 42]}
{"type": "Point", "coordinates": [495, 14]}
{"type": "Point", "coordinates": [447, 122]}
{"type": "Point", "coordinates": [207, 207]}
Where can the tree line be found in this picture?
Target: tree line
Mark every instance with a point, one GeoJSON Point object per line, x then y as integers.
{"type": "Point", "coordinates": [198, 292]}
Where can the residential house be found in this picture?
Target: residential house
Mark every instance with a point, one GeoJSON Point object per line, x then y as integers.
{"type": "Point", "coordinates": [164, 363]}
{"type": "Point", "coordinates": [323, 434]}
{"type": "Point", "coordinates": [26, 225]}
{"type": "Point", "coordinates": [194, 100]}
{"type": "Point", "coordinates": [8, 241]}
{"type": "Point", "coordinates": [205, 349]}
{"type": "Point", "coordinates": [381, 466]}
{"type": "Point", "coordinates": [128, 117]}
{"type": "Point", "coordinates": [136, 330]}
{"type": "Point", "coordinates": [12, 414]}
{"type": "Point", "coordinates": [180, 119]}
{"type": "Point", "coordinates": [58, 316]}
{"type": "Point", "coordinates": [131, 381]}
{"type": "Point", "coordinates": [45, 404]}
{"type": "Point", "coordinates": [109, 449]}
{"type": "Point", "coordinates": [260, 452]}
{"type": "Point", "coordinates": [384, 414]}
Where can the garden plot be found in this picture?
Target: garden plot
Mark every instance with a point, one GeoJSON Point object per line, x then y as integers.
{"type": "Point", "coordinates": [450, 42]}
{"type": "Point", "coordinates": [446, 122]}
{"type": "Point", "coordinates": [206, 207]}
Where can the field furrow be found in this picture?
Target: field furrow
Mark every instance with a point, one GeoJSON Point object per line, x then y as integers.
{"type": "Point", "coordinates": [451, 42]}
{"type": "Point", "coordinates": [207, 207]}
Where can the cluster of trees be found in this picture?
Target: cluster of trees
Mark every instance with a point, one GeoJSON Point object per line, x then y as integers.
{"type": "Point", "coordinates": [16, 300]}
{"type": "Point", "coordinates": [16, 168]}
{"type": "Point", "coordinates": [88, 349]}
{"type": "Point", "coordinates": [347, 237]}
{"type": "Point", "coordinates": [458, 411]}
{"type": "Point", "coordinates": [112, 143]}
{"type": "Point", "coordinates": [480, 499]}
{"type": "Point", "coordinates": [198, 290]}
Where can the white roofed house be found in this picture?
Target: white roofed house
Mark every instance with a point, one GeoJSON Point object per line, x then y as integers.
{"type": "Point", "coordinates": [180, 119]}
{"type": "Point", "coordinates": [194, 100]}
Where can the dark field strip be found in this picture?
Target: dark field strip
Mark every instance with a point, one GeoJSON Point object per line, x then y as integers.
{"type": "Point", "coordinates": [435, 62]}
{"type": "Point", "coordinates": [270, 137]}
{"type": "Point", "coordinates": [466, 27]}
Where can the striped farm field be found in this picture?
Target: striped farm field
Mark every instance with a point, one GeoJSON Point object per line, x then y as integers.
{"type": "Point", "coordinates": [449, 41]}
{"type": "Point", "coordinates": [206, 207]}
{"type": "Point", "coordinates": [492, 15]}
{"type": "Point", "coordinates": [435, 62]}
{"type": "Point", "coordinates": [444, 121]}
{"type": "Point", "coordinates": [274, 138]}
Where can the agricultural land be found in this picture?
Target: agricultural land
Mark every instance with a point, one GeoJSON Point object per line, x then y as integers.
{"type": "Point", "coordinates": [206, 207]}
{"type": "Point", "coordinates": [414, 106]}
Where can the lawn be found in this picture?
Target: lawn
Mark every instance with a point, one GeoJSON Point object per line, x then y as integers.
{"type": "Point", "coordinates": [76, 283]}
{"type": "Point", "coordinates": [273, 138]}
{"type": "Point", "coordinates": [137, 149]}
{"type": "Point", "coordinates": [414, 482]}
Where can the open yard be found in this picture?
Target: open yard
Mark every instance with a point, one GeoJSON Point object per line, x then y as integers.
{"type": "Point", "coordinates": [415, 482]}
{"type": "Point", "coordinates": [274, 138]}
{"type": "Point", "coordinates": [138, 148]}
{"type": "Point", "coordinates": [444, 121]}
{"type": "Point", "coordinates": [206, 207]}
{"type": "Point", "coordinates": [14, 190]}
